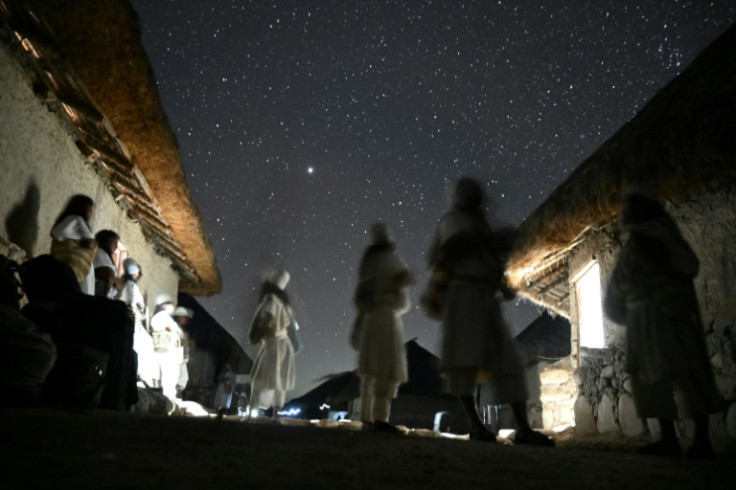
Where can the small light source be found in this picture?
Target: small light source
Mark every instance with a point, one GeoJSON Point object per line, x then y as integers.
{"type": "Point", "coordinates": [292, 412]}
{"type": "Point", "coordinates": [254, 413]}
{"type": "Point", "coordinates": [590, 313]}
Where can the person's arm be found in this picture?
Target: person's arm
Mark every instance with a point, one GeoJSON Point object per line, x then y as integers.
{"type": "Point", "coordinates": [76, 229]}
{"type": "Point", "coordinates": [86, 237]}
{"type": "Point", "coordinates": [105, 274]}
{"type": "Point", "coordinates": [260, 326]}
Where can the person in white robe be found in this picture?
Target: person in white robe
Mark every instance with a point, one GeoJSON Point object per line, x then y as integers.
{"type": "Point", "coordinates": [167, 345]}
{"type": "Point", "coordinates": [107, 283]}
{"type": "Point", "coordinates": [182, 316]}
{"type": "Point", "coordinates": [149, 371]}
{"type": "Point", "coordinates": [381, 298]}
{"type": "Point", "coordinates": [651, 292]}
{"type": "Point", "coordinates": [74, 224]}
{"type": "Point", "coordinates": [477, 346]}
{"type": "Point", "coordinates": [274, 371]}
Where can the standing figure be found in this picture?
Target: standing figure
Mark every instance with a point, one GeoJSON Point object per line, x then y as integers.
{"type": "Point", "coordinates": [476, 343]}
{"type": "Point", "coordinates": [73, 242]}
{"type": "Point", "coordinates": [149, 371]}
{"type": "Point", "coordinates": [183, 316]}
{"type": "Point", "coordinates": [167, 344]}
{"type": "Point", "coordinates": [652, 293]}
{"type": "Point", "coordinates": [381, 298]}
{"type": "Point", "coordinates": [273, 372]}
{"type": "Point", "coordinates": [107, 283]}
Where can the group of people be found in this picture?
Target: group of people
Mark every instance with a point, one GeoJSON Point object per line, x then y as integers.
{"type": "Point", "coordinates": [467, 258]}
{"type": "Point", "coordinates": [160, 343]}
{"type": "Point", "coordinates": [467, 261]}
{"type": "Point", "coordinates": [651, 292]}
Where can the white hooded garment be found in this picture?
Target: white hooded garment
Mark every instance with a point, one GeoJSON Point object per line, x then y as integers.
{"type": "Point", "coordinates": [273, 370]}
{"type": "Point", "coordinates": [381, 352]}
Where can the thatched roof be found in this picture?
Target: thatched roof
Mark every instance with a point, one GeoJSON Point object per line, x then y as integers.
{"type": "Point", "coordinates": [683, 139]}
{"type": "Point", "coordinates": [546, 338]}
{"type": "Point", "coordinates": [209, 335]}
{"type": "Point", "coordinates": [89, 55]}
{"type": "Point", "coordinates": [424, 380]}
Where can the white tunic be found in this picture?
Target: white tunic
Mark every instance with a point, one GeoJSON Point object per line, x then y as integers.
{"type": "Point", "coordinates": [103, 260]}
{"type": "Point", "coordinates": [381, 351]}
{"type": "Point", "coordinates": [476, 341]}
{"type": "Point", "coordinates": [75, 228]}
{"type": "Point", "coordinates": [273, 371]}
{"type": "Point", "coordinates": [149, 370]}
{"type": "Point", "coordinates": [171, 360]}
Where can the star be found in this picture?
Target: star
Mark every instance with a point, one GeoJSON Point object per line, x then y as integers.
{"type": "Point", "coordinates": [391, 101]}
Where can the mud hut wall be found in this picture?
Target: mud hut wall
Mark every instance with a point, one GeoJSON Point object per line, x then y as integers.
{"type": "Point", "coordinates": [707, 219]}
{"type": "Point", "coordinates": [41, 167]}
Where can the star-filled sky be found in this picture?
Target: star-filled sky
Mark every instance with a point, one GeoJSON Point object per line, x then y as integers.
{"type": "Point", "coordinates": [302, 122]}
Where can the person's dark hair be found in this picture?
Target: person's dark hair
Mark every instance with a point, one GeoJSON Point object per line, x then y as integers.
{"type": "Point", "coordinates": [270, 288]}
{"type": "Point", "coordinates": [104, 240]}
{"type": "Point", "coordinates": [77, 206]}
{"type": "Point", "coordinates": [640, 209]}
{"type": "Point", "coordinates": [161, 307]}
{"type": "Point", "coordinates": [467, 194]}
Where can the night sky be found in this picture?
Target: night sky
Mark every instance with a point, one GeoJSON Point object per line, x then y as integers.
{"type": "Point", "coordinates": [302, 122]}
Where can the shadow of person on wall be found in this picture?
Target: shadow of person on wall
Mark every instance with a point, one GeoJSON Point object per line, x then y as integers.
{"type": "Point", "coordinates": [21, 223]}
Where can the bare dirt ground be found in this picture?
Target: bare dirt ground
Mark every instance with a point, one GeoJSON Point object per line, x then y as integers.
{"type": "Point", "coordinates": [106, 450]}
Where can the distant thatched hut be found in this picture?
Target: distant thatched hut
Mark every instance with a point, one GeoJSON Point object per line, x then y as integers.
{"type": "Point", "coordinates": [421, 403]}
{"type": "Point", "coordinates": [213, 352]}
{"type": "Point", "coordinates": [683, 142]}
{"type": "Point", "coordinates": [80, 113]}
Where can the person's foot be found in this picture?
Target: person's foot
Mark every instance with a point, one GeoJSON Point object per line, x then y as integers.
{"type": "Point", "coordinates": [661, 448]}
{"type": "Point", "coordinates": [482, 434]}
{"type": "Point", "coordinates": [533, 438]}
{"type": "Point", "coordinates": [701, 452]}
{"type": "Point", "coordinates": [385, 427]}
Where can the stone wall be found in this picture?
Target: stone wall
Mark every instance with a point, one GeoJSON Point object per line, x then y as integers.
{"type": "Point", "coordinates": [558, 394]}
{"type": "Point", "coordinates": [40, 168]}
